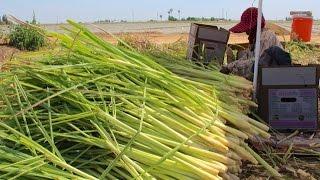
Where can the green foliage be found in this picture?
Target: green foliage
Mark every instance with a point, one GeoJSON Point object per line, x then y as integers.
{"type": "Point", "coordinates": [172, 18]}
{"type": "Point", "coordinates": [200, 19]}
{"type": "Point", "coordinates": [26, 38]}
{"type": "Point", "coordinates": [303, 53]}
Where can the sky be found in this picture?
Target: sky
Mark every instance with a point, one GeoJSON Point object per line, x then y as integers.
{"type": "Point", "coordinates": [53, 11]}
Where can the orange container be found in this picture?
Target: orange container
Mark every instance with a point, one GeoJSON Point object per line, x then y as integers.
{"type": "Point", "coordinates": [302, 28]}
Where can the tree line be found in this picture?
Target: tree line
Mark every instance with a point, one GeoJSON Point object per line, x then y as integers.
{"type": "Point", "coordinates": [4, 20]}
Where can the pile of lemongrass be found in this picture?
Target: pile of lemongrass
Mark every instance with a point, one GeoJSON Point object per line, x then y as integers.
{"type": "Point", "coordinates": [97, 111]}
{"type": "Point", "coordinates": [173, 57]}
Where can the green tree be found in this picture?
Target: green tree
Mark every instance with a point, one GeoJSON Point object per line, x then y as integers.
{"type": "Point", "coordinates": [170, 13]}
{"type": "Point", "coordinates": [5, 19]}
{"type": "Point", "coordinates": [171, 18]}
{"type": "Point", "coordinates": [34, 21]}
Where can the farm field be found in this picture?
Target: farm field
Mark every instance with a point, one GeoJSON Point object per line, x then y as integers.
{"type": "Point", "coordinates": [168, 32]}
{"type": "Point", "coordinates": [157, 32]}
{"type": "Point", "coordinates": [157, 47]}
{"type": "Point", "coordinates": [159, 90]}
{"type": "Point", "coordinates": [164, 27]}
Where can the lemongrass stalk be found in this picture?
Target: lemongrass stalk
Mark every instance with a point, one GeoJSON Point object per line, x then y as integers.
{"type": "Point", "coordinates": [197, 151]}
{"type": "Point", "coordinates": [243, 153]}
{"type": "Point", "coordinates": [26, 170]}
{"type": "Point", "coordinates": [186, 116]}
{"type": "Point", "coordinates": [132, 139]}
{"type": "Point", "coordinates": [241, 123]}
{"type": "Point", "coordinates": [259, 125]}
{"type": "Point", "coordinates": [261, 132]}
{"type": "Point", "coordinates": [212, 136]}
{"type": "Point", "coordinates": [217, 144]}
{"type": "Point", "coordinates": [148, 158]}
{"type": "Point", "coordinates": [273, 172]}
{"type": "Point", "coordinates": [161, 125]}
{"type": "Point", "coordinates": [48, 155]}
{"type": "Point", "coordinates": [234, 169]}
{"type": "Point", "coordinates": [111, 145]}
{"type": "Point", "coordinates": [151, 141]}
{"type": "Point", "coordinates": [223, 148]}
{"type": "Point", "coordinates": [222, 168]}
{"type": "Point", "coordinates": [39, 175]}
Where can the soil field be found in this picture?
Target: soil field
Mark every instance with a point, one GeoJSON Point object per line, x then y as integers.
{"type": "Point", "coordinates": [168, 32]}
{"type": "Point", "coordinates": [162, 27]}
{"type": "Point", "coordinates": [160, 32]}
{"type": "Point", "coordinates": [165, 27]}
{"type": "Point", "coordinates": [159, 38]}
{"type": "Point", "coordinates": [6, 53]}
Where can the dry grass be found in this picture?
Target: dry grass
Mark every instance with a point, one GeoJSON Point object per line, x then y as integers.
{"type": "Point", "coordinates": [277, 29]}
{"type": "Point", "coordinates": [302, 53]}
{"type": "Point", "coordinates": [292, 165]}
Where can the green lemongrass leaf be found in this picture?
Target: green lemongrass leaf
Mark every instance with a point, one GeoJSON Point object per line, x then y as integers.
{"type": "Point", "coordinates": [25, 169]}
{"type": "Point", "coordinates": [60, 93]}
{"type": "Point", "coordinates": [47, 154]}
{"type": "Point", "coordinates": [119, 156]}
{"type": "Point", "coordinates": [174, 150]}
{"type": "Point", "coordinates": [50, 121]}
{"type": "Point", "coordinates": [80, 154]}
{"type": "Point", "coordinates": [23, 114]}
{"type": "Point", "coordinates": [37, 121]}
{"type": "Point", "coordinates": [10, 108]}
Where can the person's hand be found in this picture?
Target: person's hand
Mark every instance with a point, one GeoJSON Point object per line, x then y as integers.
{"type": "Point", "coordinates": [230, 55]}
{"type": "Point", "coordinates": [225, 70]}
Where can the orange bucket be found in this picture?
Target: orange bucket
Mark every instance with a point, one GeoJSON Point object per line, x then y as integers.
{"type": "Point", "coordinates": [302, 28]}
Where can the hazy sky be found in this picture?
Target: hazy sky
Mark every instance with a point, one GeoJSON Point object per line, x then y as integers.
{"type": "Point", "coordinates": [51, 11]}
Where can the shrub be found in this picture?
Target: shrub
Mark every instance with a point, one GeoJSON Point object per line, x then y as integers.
{"type": "Point", "coordinates": [171, 18]}
{"type": "Point", "coordinates": [26, 38]}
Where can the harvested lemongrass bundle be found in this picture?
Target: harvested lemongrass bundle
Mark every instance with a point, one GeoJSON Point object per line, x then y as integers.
{"type": "Point", "coordinates": [97, 111]}
{"type": "Point", "coordinates": [230, 88]}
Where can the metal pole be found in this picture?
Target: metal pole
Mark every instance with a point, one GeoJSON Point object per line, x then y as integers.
{"type": "Point", "coordinates": [257, 50]}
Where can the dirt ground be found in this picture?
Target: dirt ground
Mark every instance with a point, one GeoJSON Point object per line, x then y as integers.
{"type": "Point", "coordinates": [154, 37]}
{"type": "Point", "coordinates": [6, 52]}
{"type": "Point", "coordinates": [151, 33]}
{"type": "Point", "coordinates": [160, 38]}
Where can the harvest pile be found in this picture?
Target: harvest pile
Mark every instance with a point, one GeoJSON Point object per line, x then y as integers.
{"type": "Point", "coordinates": [233, 90]}
{"type": "Point", "coordinates": [96, 111]}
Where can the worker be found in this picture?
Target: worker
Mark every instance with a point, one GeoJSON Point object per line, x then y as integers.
{"type": "Point", "coordinates": [269, 41]}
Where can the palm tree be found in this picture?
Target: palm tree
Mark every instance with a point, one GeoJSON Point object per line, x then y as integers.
{"type": "Point", "coordinates": [34, 21]}
{"type": "Point", "coordinates": [160, 17]}
{"type": "Point", "coordinates": [4, 18]}
{"type": "Point", "coordinates": [170, 11]}
{"type": "Point", "coordinates": [179, 14]}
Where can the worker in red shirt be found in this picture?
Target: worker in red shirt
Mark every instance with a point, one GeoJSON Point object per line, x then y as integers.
{"type": "Point", "coordinates": [271, 53]}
